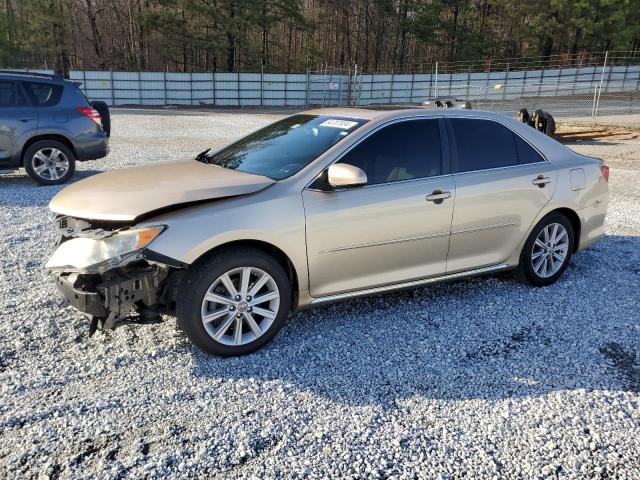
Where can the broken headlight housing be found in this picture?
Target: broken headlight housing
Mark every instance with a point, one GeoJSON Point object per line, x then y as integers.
{"type": "Point", "coordinates": [84, 254]}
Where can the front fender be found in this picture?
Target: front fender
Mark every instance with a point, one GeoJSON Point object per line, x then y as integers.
{"type": "Point", "coordinates": [195, 231]}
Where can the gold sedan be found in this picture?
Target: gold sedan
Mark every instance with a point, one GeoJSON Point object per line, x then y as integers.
{"type": "Point", "coordinates": [319, 207]}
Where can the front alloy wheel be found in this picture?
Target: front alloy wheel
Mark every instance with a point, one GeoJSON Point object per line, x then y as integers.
{"type": "Point", "coordinates": [234, 302]}
{"type": "Point", "coordinates": [240, 306]}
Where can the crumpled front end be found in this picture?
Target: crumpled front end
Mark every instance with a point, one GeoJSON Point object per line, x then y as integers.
{"type": "Point", "coordinates": [109, 273]}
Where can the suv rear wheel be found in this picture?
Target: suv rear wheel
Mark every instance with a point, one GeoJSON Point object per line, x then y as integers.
{"type": "Point", "coordinates": [234, 303]}
{"type": "Point", "coordinates": [49, 162]}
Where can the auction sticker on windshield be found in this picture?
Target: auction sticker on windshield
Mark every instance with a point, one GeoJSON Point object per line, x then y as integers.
{"type": "Point", "coordinates": [335, 123]}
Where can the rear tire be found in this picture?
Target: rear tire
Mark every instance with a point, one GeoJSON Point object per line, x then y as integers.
{"type": "Point", "coordinates": [206, 302]}
{"type": "Point", "coordinates": [105, 116]}
{"type": "Point", "coordinates": [542, 262]}
{"type": "Point", "coordinates": [49, 162]}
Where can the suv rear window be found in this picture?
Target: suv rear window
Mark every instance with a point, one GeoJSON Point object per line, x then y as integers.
{"type": "Point", "coordinates": [44, 94]}
{"type": "Point", "coordinates": [11, 95]}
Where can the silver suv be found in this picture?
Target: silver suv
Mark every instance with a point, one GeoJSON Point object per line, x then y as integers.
{"type": "Point", "coordinates": [319, 207]}
{"type": "Point", "coordinates": [47, 124]}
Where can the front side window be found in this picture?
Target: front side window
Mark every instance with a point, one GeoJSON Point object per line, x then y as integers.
{"type": "Point", "coordinates": [482, 144]}
{"type": "Point", "coordinates": [11, 95]}
{"type": "Point", "coordinates": [402, 151]}
{"type": "Point", "coordinates": [284, 148]}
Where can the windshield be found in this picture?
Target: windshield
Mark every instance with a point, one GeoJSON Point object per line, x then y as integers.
{"type": "Point", "coordinates": [285, 147]}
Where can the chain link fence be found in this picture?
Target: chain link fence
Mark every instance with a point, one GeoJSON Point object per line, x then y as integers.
{"type": "Point", "coordinates": [583, 87]}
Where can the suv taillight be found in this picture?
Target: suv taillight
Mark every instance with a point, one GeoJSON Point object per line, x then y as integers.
{"type": "Point", "coordinates": [605, 172]}
{"type": "Point", "coordinates": [92, 113]}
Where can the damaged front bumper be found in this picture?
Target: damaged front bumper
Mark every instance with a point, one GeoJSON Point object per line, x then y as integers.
{"type": "Point", "coordinates": [135, 291]}
{"type": "Point", "coordinates": [111, 275]}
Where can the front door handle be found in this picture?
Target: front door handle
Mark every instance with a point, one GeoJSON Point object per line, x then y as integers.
{"type": "Point", "coordinates": [541, 181]}
{"type": "Point", "coordinates": [25, 120]}
{"type": "Point", "coordinates": [438, 196]}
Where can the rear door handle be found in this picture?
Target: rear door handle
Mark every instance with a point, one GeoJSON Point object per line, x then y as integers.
{"type": "Point", "coordinates": [438, 196]}
{"type": "Point", "coordinates": [25, 120]}
{"type": "Point", "coordinates": [541, 181]}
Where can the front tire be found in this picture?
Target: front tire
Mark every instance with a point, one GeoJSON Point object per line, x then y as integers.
{"type": "Point", "coordinates": [547, 251]}
{"type": "Point", "coordinates": [49, 162]}
{"type": "Point", "coordinates": [234, 302]}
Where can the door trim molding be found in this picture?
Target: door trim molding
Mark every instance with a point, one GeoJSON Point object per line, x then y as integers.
{"type": "Point", "coordinates": [385, 242]}
{"type": "Point", "coordinates": [414, 283]}
{"type": "Point", "coordinates": [486, 227]}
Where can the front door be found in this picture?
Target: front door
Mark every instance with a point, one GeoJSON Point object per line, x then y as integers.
{"type": "Point", "coordinates": [17, 120]}
{"type": "Point", "coordinates": [502, 184]}
{"type": "Point", "coordinates": [392, 230]}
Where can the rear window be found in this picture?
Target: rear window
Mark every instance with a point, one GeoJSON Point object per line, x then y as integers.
{"type": "Point", "coordinates": [483, 144]}
{"type": "Point", "coordinates": [44, 94]}
{"type": "Point", "coordinates": [526, 153]}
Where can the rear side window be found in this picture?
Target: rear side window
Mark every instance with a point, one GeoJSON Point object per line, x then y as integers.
{"type": "Point", "coordinates": [402, 151]}
{"type": "Point", "coordinates": [526, 153]}
{"type": "Point", "coordinates": [482, 144]}
{"type": "Point", "coordinates": [44, 94]}
{"type": "Point", "coordinates": [11, 95]}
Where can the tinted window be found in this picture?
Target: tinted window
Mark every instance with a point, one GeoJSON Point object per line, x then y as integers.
{"type": "Point", "coordinates": [526, 153]}
{"type": "Point", "coordinates": [285, 147]}
{"type": "Point", "coordinates": [483, 144]}
{"type": "Point", "coordinates": [45, 95]}
{"type": "Point", "coordinates": [11, 95]}
{"type": "Point", "coordinates": [401, 151]}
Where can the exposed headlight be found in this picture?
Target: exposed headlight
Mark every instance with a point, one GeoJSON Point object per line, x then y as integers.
{"type": "Point", "coordinates": [81, 253]}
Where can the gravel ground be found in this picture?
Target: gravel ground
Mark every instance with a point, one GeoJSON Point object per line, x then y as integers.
{"type": "Point", "coordinates": [480, 378]}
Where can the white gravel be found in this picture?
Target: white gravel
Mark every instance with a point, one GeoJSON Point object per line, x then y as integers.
{"type": "Point", "coordinates": [482, 378]}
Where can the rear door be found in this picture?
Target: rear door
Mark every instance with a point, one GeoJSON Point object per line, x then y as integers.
{"type": "Point", "coordinates": [18, 121]}
{"type": "Point", "coordinates": [394, 229]}
{"type": "Point", "coordinates": [501, 184]}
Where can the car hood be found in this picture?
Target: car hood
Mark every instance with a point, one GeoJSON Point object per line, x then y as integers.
{"type": "Point", "coordinates": [127, 194]}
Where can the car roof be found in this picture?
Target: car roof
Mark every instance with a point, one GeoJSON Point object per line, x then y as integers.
{"type": "Point", "coordinates": [32, 76]}
{"type": "Point", "coordinates": [390, 112]}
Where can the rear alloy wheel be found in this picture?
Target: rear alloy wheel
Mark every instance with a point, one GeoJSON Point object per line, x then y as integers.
{"type": "Point", "coordinates": [547, 251]}
{"type": "Point", "coordinates": [49, 162]}
{"type": "Point", "coordinates": [234, 303]}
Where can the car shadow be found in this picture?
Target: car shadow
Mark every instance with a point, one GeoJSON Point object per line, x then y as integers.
{"type": "Point", "coordinates": [484, 338]}
{"type": "Point", "coordinates": [18, 189]}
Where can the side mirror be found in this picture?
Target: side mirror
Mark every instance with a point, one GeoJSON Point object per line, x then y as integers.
{"type": "Point", "coordinates": [341, 175]}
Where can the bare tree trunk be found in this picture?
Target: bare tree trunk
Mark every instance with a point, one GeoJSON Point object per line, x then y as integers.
{"type": "Point", "coordinates": [95, 35]}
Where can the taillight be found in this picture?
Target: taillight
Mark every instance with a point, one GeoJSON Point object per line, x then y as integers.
{"type": "Point", "coordinates": [92, 113]}
{"type": "Point", "coordinates": [605, 172]}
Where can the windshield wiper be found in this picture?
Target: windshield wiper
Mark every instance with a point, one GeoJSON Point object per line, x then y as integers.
{"type": "Point", "coordinates": [201, 156]}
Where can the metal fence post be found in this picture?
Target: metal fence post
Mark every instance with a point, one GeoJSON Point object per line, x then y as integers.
{"type": "Point", "coordinates": [214, 88]}
{"type": "Point", "coordinates": [413, 78]}
{"type": "Point", "coordinates": [604, 66]}
{"type": "Point", "coordinates": [286, 87]}
{"type": "Point", "coordinates": [113, 95]}
{"type": "Point", "coordinates": [436, 82]}
{"type": "Point", "coordinates": [391, 88]}
{"type": "Point", "coordinates": [307, 100]}
{"type": "Point", "coordinates": [140, 88]}
{"type": "Point", "coordinates": [261, 85]}
{"type": "Point", "coordinates": [238, 87]}
{"type": "Point", "coordinates": [164, 86]}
